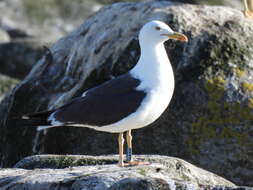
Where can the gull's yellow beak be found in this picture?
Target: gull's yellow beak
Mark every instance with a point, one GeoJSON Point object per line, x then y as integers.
{"type": "Point", "coordinates": [177, 36]}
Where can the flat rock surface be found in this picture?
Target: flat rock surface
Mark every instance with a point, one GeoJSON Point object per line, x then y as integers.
{"type": "Point", "coordinates": [99, 173]}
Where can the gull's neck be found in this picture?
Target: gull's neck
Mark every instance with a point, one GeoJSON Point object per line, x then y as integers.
{"type": "Point", "coordinates": [153, 66]}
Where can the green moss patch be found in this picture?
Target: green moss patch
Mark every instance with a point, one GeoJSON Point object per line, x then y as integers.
{"type": "Point", "coordinates": [220, 117]}
{"type": "Point", "coordinates": [247, 86]}
{"type": "Point", "coordinates": [6, 84]}
{"type": "Point", "coordinates": [62, 161]}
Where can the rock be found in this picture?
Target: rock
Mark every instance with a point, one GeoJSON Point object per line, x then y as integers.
{"type": "Point", "coordinates": [102, 172]}
{"type": "Point", "coordinates": [236, 3]}
{"type": "Point", "coordinates": [6, 84]}
{"type": "Point", "coordinates": [4, 37]}
{"type": "Point", "coordinates": [51, 19]}
{"type": "Point", "coordinates": [18, 57]}
{"type": "Point", "coordinates": [46, 19]}
{"type": "Point", "coordinates": [15, 33]}
{"type": "Point", "coordinates": [209, 119]}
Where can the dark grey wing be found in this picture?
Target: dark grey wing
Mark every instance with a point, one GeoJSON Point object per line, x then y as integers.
{"type": "Point", "coordinates": [105, 104]}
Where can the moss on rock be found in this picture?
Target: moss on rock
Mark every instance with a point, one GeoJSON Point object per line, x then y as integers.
{"type": "Point", "coordinates": [62, 161]}
{"type": "Point", "coordinates": [247, 86]}
{"type": "Point", "coordinates": [6, 84]}
{"type": "Point", "coordinates": [220, 118]}
{"type": "Point", "coordinates": [239, 73]}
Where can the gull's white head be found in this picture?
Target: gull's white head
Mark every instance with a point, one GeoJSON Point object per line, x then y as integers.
{"type": "Point", "coordinates": [158, 32]}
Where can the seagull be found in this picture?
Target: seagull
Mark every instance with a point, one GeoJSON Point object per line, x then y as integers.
{"type": "Point", "coordinates": [130, 101]}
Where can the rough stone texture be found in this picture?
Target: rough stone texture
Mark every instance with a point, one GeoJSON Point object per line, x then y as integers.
{"type": "Point", "coordinates": [51, 19]}
{"type": "Point", "coordinates": [6, 84]}
{"type": "Point", "coordinates": [4, 36]}
{"type": "Point", "coordinates": [209, 121]}
{"type": "Point", "coordinates": [18, 57]}
{"type": "Point", "coordinates": [102, 172]}
{"type": "Point", "coordinates": [47, 19]}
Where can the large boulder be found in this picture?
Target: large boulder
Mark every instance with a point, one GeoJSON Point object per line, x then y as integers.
{"type": "Point", "coordinates": [6, 84]}
{"type": "Point", "coordinates": [102, 173]}
{"type": "Point", "coordinates": [209, 121]}
{"type": "Point", "coordinates": [48, 19]}
{"type": "Point", "coordinates": [18, 57]}
{"type": "Point", "coordinates": [4, 36]}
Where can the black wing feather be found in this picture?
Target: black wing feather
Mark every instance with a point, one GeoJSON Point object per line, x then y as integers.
{"type": "Point", "coordinates": [105, 104]}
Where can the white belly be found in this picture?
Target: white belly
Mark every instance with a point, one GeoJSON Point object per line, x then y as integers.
{"type": "Point", "coordinates": [149, 111]}
{"type": "Point", "coordinates": [157, 78]}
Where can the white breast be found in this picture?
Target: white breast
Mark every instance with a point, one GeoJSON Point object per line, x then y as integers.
{"type": "Point", "coordinates": [157, 78]}
{"type": "Point", "coordinates": [151, 108]}
{"type": "Point", "coordinates": [159, 93]}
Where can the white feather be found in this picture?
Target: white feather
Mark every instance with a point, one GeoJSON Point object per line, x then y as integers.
{"type": "Point", "coordinates": [40, 128]}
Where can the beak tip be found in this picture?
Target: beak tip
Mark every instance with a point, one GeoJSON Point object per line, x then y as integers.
{"type": "Point", "coordinates": [180, 37]}
{"type": "Point", "coordinates": [183, 38]}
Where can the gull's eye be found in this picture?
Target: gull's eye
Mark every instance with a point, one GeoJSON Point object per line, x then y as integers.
{"type": "Point", "coordinates": [157, 28]}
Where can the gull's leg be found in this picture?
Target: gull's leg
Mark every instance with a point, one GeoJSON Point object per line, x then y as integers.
{"type": "Point", "coordinates": [248, 11]}
{"type": "Point", "coordinates": [129, 159]}
{"type": "Point", "coordinates": [121, 149]}
{"type": "Point", "coordinates": [129, 146]}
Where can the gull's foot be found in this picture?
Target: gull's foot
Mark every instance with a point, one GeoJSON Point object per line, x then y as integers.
{"type": "Point", "coordinates": [248, 14]}
{"type": "Point", "coordinates": [121, 164]}
{"type": "Point", "coordinates": [136, 163]}
{"type": "Point", "coordinates": [132, 163]}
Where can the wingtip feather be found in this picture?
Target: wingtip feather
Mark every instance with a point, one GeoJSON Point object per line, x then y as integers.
{"type": "Point", "coordinates": [40, 128]}
{"type": "Point", "coordinates": [25, 117]}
